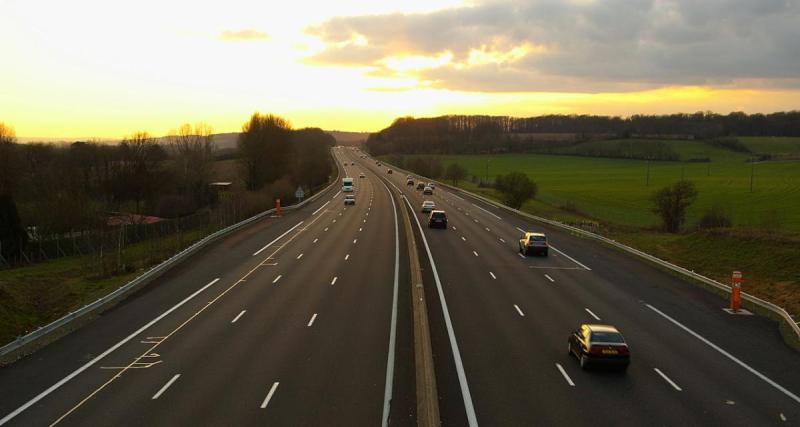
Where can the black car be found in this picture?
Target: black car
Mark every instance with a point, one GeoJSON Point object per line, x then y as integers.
{"type": "Point", "coordinates": [437, 219]}
{"type": "Point", "coordinates": [420, 186]}
{"type": "Point", "coordinates": [599, 345]}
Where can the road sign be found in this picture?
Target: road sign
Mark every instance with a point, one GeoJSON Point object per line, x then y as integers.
{"type": "Point", "coordinates": [299, 194]}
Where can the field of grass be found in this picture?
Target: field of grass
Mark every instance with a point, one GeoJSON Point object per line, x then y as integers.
{"type": "Point", "coordinates": [616, 190]}
{"type": "Point", "coordinates": [772, 144]}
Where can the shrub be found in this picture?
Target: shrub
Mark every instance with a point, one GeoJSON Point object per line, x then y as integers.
{"type": "Point", "coordinates": [715, 217]}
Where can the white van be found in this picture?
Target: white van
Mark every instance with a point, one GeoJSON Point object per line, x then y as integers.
{"type": "Point", "coordinates": [347, 185]}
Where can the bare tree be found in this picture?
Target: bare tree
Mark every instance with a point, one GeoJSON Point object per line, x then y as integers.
{"type": "Point", "coordinates": [141, 157]}
{"type": "Point", "coordinates": [9, 164]}
{"type": "Point", "coordinates": [671, 203]}
{"type": "Point", "coordinates": [193, 149]}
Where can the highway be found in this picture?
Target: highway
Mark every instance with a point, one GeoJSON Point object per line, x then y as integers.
{"type": "Point", "coordinates": [305, 320]}
{"type": "Point", "coordinates": [287, 323]}
{"type": "Point", "coordinates": [692, 363]}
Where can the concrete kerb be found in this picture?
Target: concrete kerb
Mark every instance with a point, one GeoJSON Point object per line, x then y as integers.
{"type": "Point", "coordinates": [755, 304]}
{"type": "Point", "coordinates": [28, 341]}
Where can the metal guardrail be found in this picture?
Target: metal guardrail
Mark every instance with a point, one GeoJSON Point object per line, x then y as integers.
{"type": "Point", "coordinates": [149, 275]}
{"type": "Point", "coordinates": [753, 300]}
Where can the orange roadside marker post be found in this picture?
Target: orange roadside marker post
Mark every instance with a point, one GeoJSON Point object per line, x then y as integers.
{"type": "Point", "coordinates": [736, 289]}
{"type": "Point", "coordinates": [278, 207]}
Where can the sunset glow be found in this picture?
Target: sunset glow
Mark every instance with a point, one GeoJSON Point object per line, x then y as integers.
{"type": "Point", "coordinates": [96, 69]}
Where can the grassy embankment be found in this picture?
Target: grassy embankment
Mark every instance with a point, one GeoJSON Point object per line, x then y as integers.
{"type": "Point", "coordinates": [764, 242]}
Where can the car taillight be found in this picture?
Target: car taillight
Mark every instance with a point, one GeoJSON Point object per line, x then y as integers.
{"type": "Point", "coordinates": [623, 350]}
{"type": "Point", "coordinates": [595, 349]}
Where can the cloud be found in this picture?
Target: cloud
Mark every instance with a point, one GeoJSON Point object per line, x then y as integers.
{"type": "Point", "coordinates": [243, 35]}
{"type": "Point", "coordinates": [584, 46]}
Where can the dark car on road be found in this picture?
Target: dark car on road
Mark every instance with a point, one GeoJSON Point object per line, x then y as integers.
{"type": "Point", "coordinates": [599, 345]}
{"type": "Point", "coordinates": [421, 186]}
{"type": "Point", "coordinates": [437, 219]}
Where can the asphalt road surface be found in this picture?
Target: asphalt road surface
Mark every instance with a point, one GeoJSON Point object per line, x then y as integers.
{"type": "Point", "coordinates": [305, 320]}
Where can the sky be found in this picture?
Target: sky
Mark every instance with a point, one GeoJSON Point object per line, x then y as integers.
{"type": "Point", "coordinates": [105, 69]}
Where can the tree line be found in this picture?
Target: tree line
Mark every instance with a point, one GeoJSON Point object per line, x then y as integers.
{"type": "Point", "coordinates": [459, 134]}
{"type": "Point", "coordinates": [49, 191]}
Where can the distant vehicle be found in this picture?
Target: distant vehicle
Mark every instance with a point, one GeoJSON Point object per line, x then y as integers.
{"type": "Point", "coordinates": [437, 219]}
{"type": "Point", "coordinates": [427, 190]}
{"type": "Point", "coordinates": [410, 181]}
{"type": "Point", "coordinates": [350, 199]}
{"type": "Point", "coordinates": [428, 206]}
{"type": "Point", "coordinates": [409, 177]}
{"type": "Point", "coordinates": [599, 345]}
{"type": "Point", "coordinates": [347, 185]}
{"type": "Point", "coordinates": [533, 243]}
{"type": "Point", "coordinates": [389, 171]}
{"type": "Point", "coordinates": [361, 175]}
{"type": "Point", "coordinates": [421, 186]}
{"type": "Point", "coordinates": [430, 184]}
{"type": "Point", "coordinates": [378, 163]}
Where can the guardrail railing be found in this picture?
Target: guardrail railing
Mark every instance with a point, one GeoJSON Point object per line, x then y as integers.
{"type": "Point", "coordinates": [150, 275]}
{"type": "Point", "coordinates": [754, 301]}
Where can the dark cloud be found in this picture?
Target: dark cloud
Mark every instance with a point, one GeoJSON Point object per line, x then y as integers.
{"type": "Point", "coordinates": [585, 45]}
{"type": "Point", "coordinates": [243, 35]}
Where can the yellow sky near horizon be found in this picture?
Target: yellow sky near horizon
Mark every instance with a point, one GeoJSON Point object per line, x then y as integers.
{"type": "Point", "coordinates": [93, 68]}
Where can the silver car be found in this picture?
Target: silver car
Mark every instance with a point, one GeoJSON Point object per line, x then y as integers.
{"type": "Point", "coordinates": [428, 206]}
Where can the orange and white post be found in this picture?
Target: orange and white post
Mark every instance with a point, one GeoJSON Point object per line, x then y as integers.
{"type": "Point", "coordinates": [736, 291]}
{"type": "Point", "coordinates": [278, 207]}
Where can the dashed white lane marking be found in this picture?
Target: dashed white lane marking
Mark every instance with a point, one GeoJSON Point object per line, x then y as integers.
{"type": "Point", "coordinates": [269, 395]}
{"type": "Point", "coordinates": [360, 228]}
{"type": "Point", "coordinates": [521, 256]}
{"type": "Point", "coordinates": [570, 258]}
{"type": "Point", "coordinates": [474, 253]}
{"type": "Point", "coordinates": [320, 208]}
{"type": "Point", "coordinates": [501, 239]}
{"type": "Point", "coordinates": [463, 238]}
{"type": "Point", "coordinates": [166, 386]}
{"type": "Point", "coordinates": [346, 257]}
{"type": "Point", "coordinates": [276, 239]}
{"type": "Point", "coordinates": [326, 229]}
{"type": "Point", "coordinates": [454, 228]}
{"type": "Point", "coordinates": [476, 221]}
{"type": "Point", "coordinates": [337, 194]}
{"type": "Point", "coordinates": [783, 417]}
{"type": "Point", "coordinates": [277, 278]}
{"type": "Point", "coordinates": [593, 315]}
{"type": "Point", "coordinates": [564, 374]}
{"type": "Point", "coordinates": [487, 229]}
{"type": "Point", "coordinates": [728, 355]}
{"type": "Point", "coordinates": [520, 230]}
{"type": "Point", "coordinates": [238, 316]}
{"type": "Point", "coordinates": [316, 240]}
{"type": "Point", "coordinates": [365, 221]}
{"type": "Point", "coordinates": [299, 256]}
{"type": "Point", "coordinates": [666, 378]}
{"type": "Point", "coordinates": [487, 211]}
{"type": "Point", "coordinates": [334, 221]}
{"type": "Point", "coordinates": [549, 278]}
{"type": "Point", "coordinates": [519, 311]}
{"type": "Point", "coordinates": [313, 318]}
{"type": "Point", "coordinates": [493, 276]}
{"type": "Point", "coordinates": [354, 241]}
{"type": "Point", "coordinates": [334, 280]}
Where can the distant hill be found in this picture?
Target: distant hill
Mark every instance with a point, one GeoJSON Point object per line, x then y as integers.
{"type": "Point", "coordinates": [349, 138]}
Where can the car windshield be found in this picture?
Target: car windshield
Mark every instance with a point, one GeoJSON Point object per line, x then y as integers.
{"type": "Point", "coordinates": [438, 214]}
{"type": "Point", "coordinates": [538, 238]}
{"type": "Point", "coordinates": [613, 337]}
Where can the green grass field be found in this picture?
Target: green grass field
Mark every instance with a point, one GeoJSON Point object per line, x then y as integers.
{"type": "Point", "coordinates": [772, 144]}
{"type": "Point", "coordinates": [616, 190]}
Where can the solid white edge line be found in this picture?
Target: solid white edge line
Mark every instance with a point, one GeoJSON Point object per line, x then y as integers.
{"type": "Point", "coordinates": [472, 419]}
{"type": "Point", "coordinates": [728, 355]}
{"type": "Point", "coordinates": [666, 378]}
{"type": "Point", "coordinates": [389, 382]}
{"type": "Point", "coordinates": [238, 316]}
{"type": "Point", "coordinates": [593, 315]}
{"type": "Point", "coordinates": [320, 208]}
{"type": "Point", "coordinates": [549, 278]}
{"type": "Point", "coordinates": [570, 258]}
{"type": "Point", "coordinates": [276, 239]}
{"type": "Point", "coordinates": [487, 211]}
{"type": "Point", "coordinates": [277, 278]}
{"type": "Point", "coordinates": [311, 322]}
{"type": "Point", "coordinates": [519, 310]}
{"type": "Point", "coordinates": [564, 374]}
{"type": "Point", "coordinates": [269, 395]}
{"type": "Point", "coordinates": [90, 363]}
{"type": "Point", "coordinates": [165, 387]}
